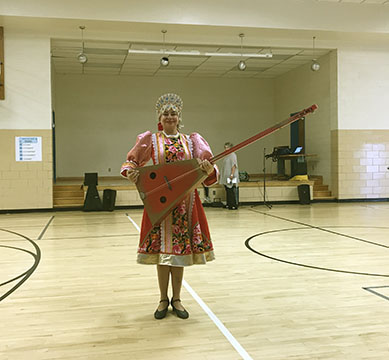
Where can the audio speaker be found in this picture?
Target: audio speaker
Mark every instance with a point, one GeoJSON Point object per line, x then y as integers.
{"type": "Point", "coordinates": [92, 200]}
{"type": "Point", "coordinates": [304, 194]}
{"type": "Point", "coordinates": [109, 198]}
{"type": "Point", "coordinates": [90, 179]}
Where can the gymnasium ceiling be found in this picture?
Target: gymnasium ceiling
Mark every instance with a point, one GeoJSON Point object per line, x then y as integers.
{"type": "Point", "coordinates": [109, 55]}
{"type": "Point", "coordinates": [286, 33]}
{"type": "Point", "coordinates": [113, 58]}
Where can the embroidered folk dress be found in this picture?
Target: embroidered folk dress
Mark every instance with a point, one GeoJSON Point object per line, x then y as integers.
{"type": "Point", "coordinates": [183, 238]}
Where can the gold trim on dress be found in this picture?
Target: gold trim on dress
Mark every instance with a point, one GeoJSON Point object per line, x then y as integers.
{"type": "Point", "coordinates": [175, 260]}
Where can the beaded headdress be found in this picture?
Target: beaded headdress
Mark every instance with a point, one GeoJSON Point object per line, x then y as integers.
{"type": "Point", "coordinates": [167, 102]}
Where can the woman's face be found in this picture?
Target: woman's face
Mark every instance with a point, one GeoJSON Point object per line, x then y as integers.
{"type": "Point", "coordinates": [169, 121]}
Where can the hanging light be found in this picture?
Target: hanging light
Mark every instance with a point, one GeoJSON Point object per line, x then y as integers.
{"type": "Point", "coordinates": [241, 64]}
{"type": "Point", "coordinates": [81, 57]}
{"type": "Point", "coordinates": [164, 59]}
{"type": "Point", "coordinates": [315, 66]}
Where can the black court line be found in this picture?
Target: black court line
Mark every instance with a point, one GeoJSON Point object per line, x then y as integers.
{"type": "Point", "coordinates": [20, 249]}
{"type": "Point", "coordinates": [37, 257]}
{"type": "Point", "coordinates": [247, 244]}
{"type": "Point", "coordinates": [321, 229]}
{"type": "Point", "coordinates": [45, 228]}
{"type": "Point", "coordinates": [376, 292]}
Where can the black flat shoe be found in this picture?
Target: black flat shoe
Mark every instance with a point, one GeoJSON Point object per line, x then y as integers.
{"type": "Point", "coordinates": [161, 314]}
{"type": "Point", "coordinates": [182, 314]}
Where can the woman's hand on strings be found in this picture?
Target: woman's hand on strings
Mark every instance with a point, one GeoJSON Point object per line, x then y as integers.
{"type": "Point", "coordinates": [206, 166]}
{"type": "Point", "coordinates": [133, 175]}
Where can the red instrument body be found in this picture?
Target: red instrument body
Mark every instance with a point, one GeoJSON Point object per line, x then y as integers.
{"type": "Point", "coordinates": [162, 187]}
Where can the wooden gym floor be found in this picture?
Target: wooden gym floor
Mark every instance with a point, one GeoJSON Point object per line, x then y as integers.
{"type": "Point", "coordinates": [84, 296]}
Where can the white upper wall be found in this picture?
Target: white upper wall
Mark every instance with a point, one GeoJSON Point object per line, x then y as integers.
{"type": "Point", "coordinates": [27, 103]}
{"type": "Point", "coordinates": [363, 89]}
{"type": "Point", "coordinates": [272, 14]}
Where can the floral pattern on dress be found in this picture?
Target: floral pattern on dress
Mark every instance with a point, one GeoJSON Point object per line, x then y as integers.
{"type": "Point", "coordinates": [181, 238]}
{"type": "Point", "coordinates": [153, 243]}
{"type": "Point", "coordinates": [199, 242]}
{"type": "Point", "coordinates": [174, 150]}
{"type": "Point", "coordinates": [180, 231]}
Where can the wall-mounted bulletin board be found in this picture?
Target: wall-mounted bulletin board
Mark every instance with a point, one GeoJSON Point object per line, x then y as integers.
{"type": "Point", "coordinates": [2, 92]}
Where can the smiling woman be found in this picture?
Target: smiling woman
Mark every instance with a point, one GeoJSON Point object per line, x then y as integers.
{"type": "Point", "coordinates": [183, 237]}
{"type": "Point", "coordinates": [169, 121]}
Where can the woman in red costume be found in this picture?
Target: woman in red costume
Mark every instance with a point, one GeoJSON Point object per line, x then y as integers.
{"type": "Point", "coordinates": [183, 238]}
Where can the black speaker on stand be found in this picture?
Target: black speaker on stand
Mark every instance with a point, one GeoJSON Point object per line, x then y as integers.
{"type": "Point", "coordinates": [92, 200]}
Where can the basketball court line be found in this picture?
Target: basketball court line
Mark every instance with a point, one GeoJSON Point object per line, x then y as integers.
{"type": "Point", "coordinates": [247, 244]}
{"type": "Point", "coordinates": [239, 348]}
{"type": "Point", "coordinates": [36, 256]}
{"type": "Point", "coordinates": [320, 228]}
{"type": "Point", "coordinates": [376, 292]}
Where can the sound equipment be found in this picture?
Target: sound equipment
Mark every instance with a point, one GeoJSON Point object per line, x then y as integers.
{"type": "Point", "coordinates": [162, 187]}
{"type": "Point", "coordinates": [304, 194]}
{"type": "Point", "coordinates": [90, 179]}
{"type": "Point", "coordinates": [92, 200]}
{"type": "Point", "coordinates": [109, 198]}
{"type": "Point", "coordinates": [298, 167]}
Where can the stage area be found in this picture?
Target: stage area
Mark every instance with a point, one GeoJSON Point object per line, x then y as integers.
{"type": "Point", "coordinates": [69, 192]}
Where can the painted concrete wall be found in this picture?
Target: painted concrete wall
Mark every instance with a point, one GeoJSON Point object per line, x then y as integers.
{"type": "Point", "coordinates": [300, 89]}
{"type": "Point", "coordinates": [99, 117]}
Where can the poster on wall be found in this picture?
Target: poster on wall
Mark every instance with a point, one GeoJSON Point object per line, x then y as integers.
{"type": "Point", "coordinates": [28, 148]}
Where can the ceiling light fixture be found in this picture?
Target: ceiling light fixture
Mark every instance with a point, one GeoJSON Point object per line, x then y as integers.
{"type": "Point", "coordinates": [315, 66]}
{"type": "Point", "coordinates": [82, 58]}
{"type": "Point", "coordinates": [241, 64]}
{"type": "Point", "coordinates": [164, 59]}
{"type": "Point", "coordinates": [196, 53]}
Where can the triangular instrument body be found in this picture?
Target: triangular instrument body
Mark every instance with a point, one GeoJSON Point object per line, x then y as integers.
{"type": "Point", "coordinates": [162, 187]}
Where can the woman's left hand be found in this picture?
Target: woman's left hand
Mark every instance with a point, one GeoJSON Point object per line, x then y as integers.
{"type": "Point", "coordinates": [206, 166]}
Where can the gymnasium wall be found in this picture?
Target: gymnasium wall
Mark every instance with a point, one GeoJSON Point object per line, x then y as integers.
{"type": "Point", "coordinates": [361, 80]}
{"type": "Point", "coordinates": [363, 88]}
{"type": "Point", "coordinates": [99, 117]}
{"type": "Point", "coordinates": [361, 142]}
{"type": "Point", "coordinates": [26, 111]}
{"type": "Point", "coordinates": [299, 89]}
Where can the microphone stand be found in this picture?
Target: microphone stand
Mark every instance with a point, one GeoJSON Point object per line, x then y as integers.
{"type": "Point", "coordinates": [268, 205]}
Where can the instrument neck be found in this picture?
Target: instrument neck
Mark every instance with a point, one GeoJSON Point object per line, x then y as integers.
{"type": "Point", "coordinates": [264, 133]}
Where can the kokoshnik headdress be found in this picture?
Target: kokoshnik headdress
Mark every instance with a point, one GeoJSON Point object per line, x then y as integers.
{"type": "Point", "coordinates": [169, 102]}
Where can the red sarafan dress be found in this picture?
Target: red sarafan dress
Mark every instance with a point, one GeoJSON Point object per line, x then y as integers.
{"type": "Point", "coordinates": [183, 238]}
